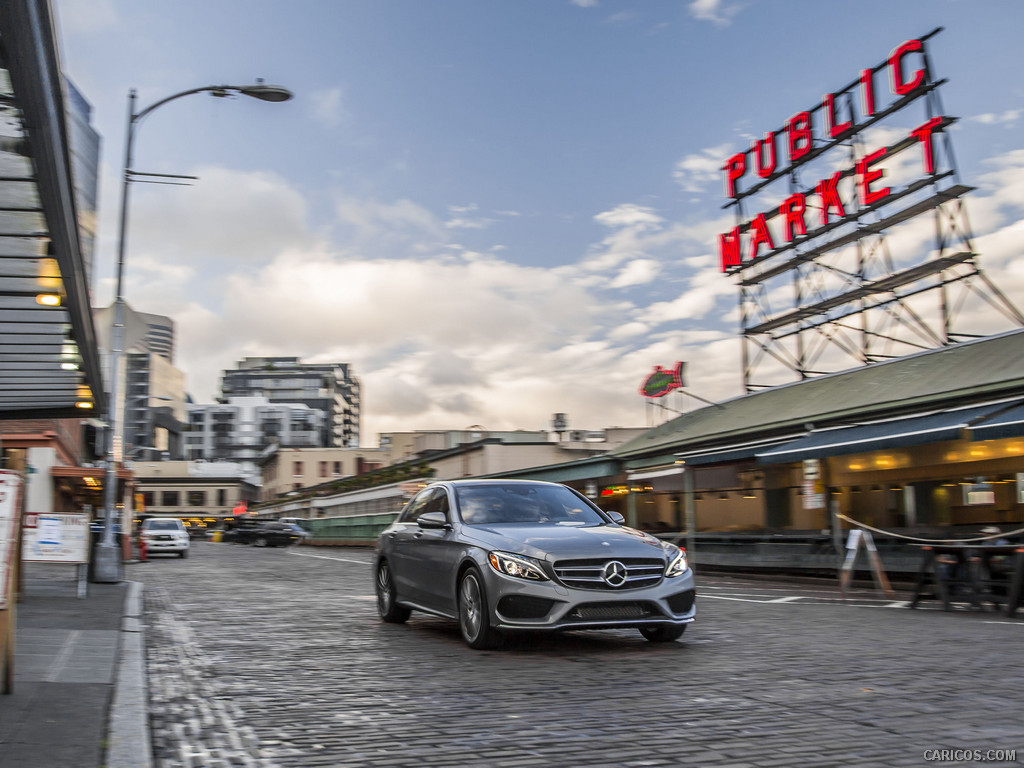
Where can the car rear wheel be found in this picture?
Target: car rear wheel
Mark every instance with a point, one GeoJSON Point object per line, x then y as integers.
{"type": "Point", "coordinates": [474, 620]}
{"type": "Point", "coordinates": [662, 634]}
{"type": "Point", "coordinates": [389, 610]}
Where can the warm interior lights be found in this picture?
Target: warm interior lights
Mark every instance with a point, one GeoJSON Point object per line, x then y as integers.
{"type": "Point", "coordinates": [48, 299]}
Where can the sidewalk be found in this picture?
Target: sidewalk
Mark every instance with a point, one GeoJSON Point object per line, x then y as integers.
{"type": "Point", "coordinates": [79, 695]}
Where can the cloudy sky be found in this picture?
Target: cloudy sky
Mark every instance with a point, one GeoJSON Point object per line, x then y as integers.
{"type": "Point", "coordinates": [494, 210]}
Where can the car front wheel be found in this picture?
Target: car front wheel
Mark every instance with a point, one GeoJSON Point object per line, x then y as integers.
{"type": "Point", "coordinates": [662, 634]}
{"type": "Point", "coordinates": [389, 610]}
{"type": "Point", "coordinates": [261, 541]}
{"type": "Point", "coordinates": [474, 618]}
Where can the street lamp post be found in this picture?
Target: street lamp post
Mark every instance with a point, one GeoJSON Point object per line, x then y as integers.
{"type": "Point", "coordinates": [106, 554]}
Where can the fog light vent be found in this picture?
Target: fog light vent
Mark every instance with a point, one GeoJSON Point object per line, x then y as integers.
{"type": "Point", "coordinates": [524, 607]}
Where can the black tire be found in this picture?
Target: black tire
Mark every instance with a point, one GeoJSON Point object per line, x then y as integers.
{"type": "Point", "coordinates": [260, 541]}
{"type": "Point", "coordinates": [663, 634]}
{"type": "Point", "coordinates": [389, 610]}
{"type": "Point", "coordinates": [474, 617]}
{"type": "Point", "coordinates": [183, 554]}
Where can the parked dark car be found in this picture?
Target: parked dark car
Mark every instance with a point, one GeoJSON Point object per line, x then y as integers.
{"type": "Point", "coordinates": [269, 535]}
{"type": "Point", "coordinates": [498, 555]}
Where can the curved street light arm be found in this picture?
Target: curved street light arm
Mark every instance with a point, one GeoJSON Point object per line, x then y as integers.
{"type": "Point", "coordinates": [258, 91]}
{"type": "Point", "coordinates": [107, 560]}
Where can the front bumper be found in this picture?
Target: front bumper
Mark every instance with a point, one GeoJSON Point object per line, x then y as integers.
{"type": "Point", "coordinates": [153, 545]}
{"type": "Point", "coordinates": [548, 605]}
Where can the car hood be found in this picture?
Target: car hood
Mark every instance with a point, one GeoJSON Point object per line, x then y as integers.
{"type": "Point", "coordinates": [555, 542]}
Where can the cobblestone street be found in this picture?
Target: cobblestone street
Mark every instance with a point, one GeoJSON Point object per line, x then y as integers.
{"type": "Point", "coordinates": [275, 657]}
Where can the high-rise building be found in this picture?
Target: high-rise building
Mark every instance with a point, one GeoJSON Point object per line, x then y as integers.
{"type": "Point", "coordinates": [143, 331]}
{"type": "Point", "coordinates": [152, 391]}
{"type": "Point", "coordinates": [328, 387]}
{"type": "Point", "coordinates": [154, 408]}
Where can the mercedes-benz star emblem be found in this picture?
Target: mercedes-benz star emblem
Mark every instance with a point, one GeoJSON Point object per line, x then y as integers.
{"type": "Point", "coordinates": [614, 574]}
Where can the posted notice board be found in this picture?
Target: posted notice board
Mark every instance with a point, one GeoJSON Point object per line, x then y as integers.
{"type": "Point", "coordinates": [55, 538]}
{"type": "Point", "coordinates": [10, 519]}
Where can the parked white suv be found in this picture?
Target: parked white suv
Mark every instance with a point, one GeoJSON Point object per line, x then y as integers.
{"type": "Point", "coordinates": [165, 534]}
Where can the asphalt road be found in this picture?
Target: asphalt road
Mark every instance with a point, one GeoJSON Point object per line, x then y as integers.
{"type": "Point", "coordinates": [275, 657]}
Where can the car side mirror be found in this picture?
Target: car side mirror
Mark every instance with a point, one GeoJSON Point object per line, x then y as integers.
{"type": "Point", "coordinates": [432, 520]}
{"type": "Point", "coordinates": [616, 518]}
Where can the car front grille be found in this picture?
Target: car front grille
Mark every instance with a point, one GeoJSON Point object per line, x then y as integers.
{"type": "Point", "coordinates": [587, 574]}
{"type": "Point", "coordinates": [619, 611]}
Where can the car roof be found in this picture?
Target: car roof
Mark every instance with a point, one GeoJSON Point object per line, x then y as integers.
{"type": "Point", "coordinates": [492, 481]}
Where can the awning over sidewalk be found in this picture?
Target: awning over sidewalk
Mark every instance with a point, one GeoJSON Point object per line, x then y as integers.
{"type": "Point", "coordinates": [919, 429]}
{"type": "Point", "coordinates": [51, 365]}
{"type": "Point", "coordinates": [731, 453]}
{"type": "Point", "coordinates": [1008, 422]}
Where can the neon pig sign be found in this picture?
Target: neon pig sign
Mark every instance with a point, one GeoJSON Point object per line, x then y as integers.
{"type": "Point", "coordinates": [809, 134]}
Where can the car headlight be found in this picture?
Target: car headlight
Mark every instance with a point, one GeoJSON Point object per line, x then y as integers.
{"type": "Point", "coordinates": [516, 565]}
{"type": "Point", "coordinates": [677, 564]}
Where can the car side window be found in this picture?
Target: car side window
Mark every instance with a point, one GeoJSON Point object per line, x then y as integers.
{"type": "Point", "coordinates": [416, 507]}
{"type": "Point", "coordinates": [438, 502]}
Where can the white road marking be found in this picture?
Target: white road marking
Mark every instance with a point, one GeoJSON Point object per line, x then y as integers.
{"type": "Point", "coordinates": [1012, 623]}
{"type": "Point", "coordinates": [736, 599]}
{"type": "Point", "coordinates": [325, 557]}
{"type": "Point", "coordinates": [862, 602]}
{"type": "Point", "coordinates": [66, 649]}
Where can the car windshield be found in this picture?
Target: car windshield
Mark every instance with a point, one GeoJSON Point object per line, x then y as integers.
{"type": "Point", "coordinates": [162, 525]}
{"type": "Point", "coordinates": [524, 504]}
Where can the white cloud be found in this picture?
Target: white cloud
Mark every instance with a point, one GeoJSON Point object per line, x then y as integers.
{"type": "Point", "coordinates": [629, 215]}
{"type": "Point", "coordinates": [715, 11]}
{"type": "Point", "coordinates": [637, 272]}
{"type": "Point", "coordinates": [328, 107]}
{"type": "Point", "coordinates": [584, 3]}
{"type": "Point", "coordinates": [991, 118]}
{"type": "Point", "coordinates": [227, 216]}
{"type": "Point", "coordinates": [696, 302]}
{"type": "Point", "coordinates": [387, 229]}
{"type": "Point", "coordinates": [695, 172]}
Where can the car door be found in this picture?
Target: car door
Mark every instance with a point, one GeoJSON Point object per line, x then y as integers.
{"type": "Point", "coordinates": [438, 551]}
{"type": "Point", "coordinates": [402, 556]}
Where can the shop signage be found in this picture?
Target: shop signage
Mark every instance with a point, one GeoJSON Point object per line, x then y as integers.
{"type": "Point", "coordinates": [813, 486]}
{"type": "Point", "coordinates": [661, 381]}
{"type": "Point", "coordinates": [811, 133]}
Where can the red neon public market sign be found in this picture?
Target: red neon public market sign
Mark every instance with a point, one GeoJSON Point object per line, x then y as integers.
{"type": "Point", "coordinates": [783, 150]}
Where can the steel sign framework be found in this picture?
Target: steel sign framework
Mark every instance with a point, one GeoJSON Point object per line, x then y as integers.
{"type": "Point", "coordinates": [874, 258]}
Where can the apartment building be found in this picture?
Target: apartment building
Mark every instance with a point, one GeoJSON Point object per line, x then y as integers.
{"type": "Point", "coordinates": [328, 387]}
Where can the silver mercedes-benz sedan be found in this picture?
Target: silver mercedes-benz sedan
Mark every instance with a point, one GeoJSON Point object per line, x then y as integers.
{"type": "Point", "coordinates": [499, 555]}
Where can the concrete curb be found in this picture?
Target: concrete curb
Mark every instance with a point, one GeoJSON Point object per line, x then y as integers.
{"type": "Point", "coordinates": [128, 738]}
